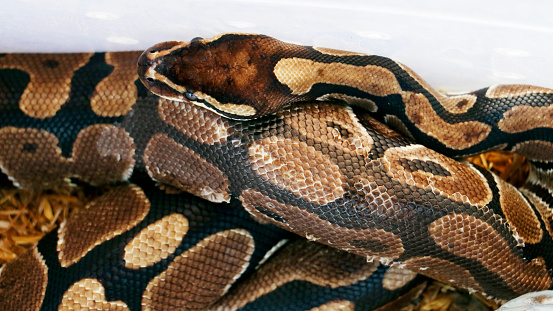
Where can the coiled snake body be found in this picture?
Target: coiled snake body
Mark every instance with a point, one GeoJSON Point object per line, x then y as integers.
{"type": "Point", "coordinates": [313, 161]}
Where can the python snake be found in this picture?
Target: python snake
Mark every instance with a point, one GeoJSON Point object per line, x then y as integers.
{"type": "Point", "coordinates": [314, 161]}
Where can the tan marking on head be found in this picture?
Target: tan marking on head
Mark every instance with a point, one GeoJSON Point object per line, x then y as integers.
{"type": "Point", "coordinates": [520, 215]}
{"type": "Point", "coordinates": [335, 52]}
{"type": "Point", "coordinates": [456, 136]}
{"type": "Point", "coordinates": [336, 305]}
{"type": "Point", "coordinates": [23, 282]}
{"type": "Point", "coordinates": [375, 243]}
{"type": "Point", "coordinates": [534, 149]}
{"type": "Point", "coordinates": [233, 109]}
{"type": "Point", "coordinates": [299, 261]}
{"type": "Point", "coordinates": [396, 124]}
{"type": "Point", "coordinates": [176, 165]}
{"type": "Point", "coordinates": [300, 74]}
{"type": "Point", "coordinates": [524, 118]}
{"type": "Point", "coordinates": [156, 242]}
{"type": "Point", "coordinates": [202, 274]}
{"type": "Point", "coordinates": [301, 169]}
{"type": "Point", "coordinates": [110, 215]}
{"type": "Point", "coordinates": [203, 126]}
{"type": "Point", "coordinates": [467, 236]}
{"type": "Point", "coordinates": [514, 90]}
{"type": "Point", "coordinates": [115, 94]}
{"type": "Point", "coordinates": [50, 83]}
{"type": "Point", "coordinates": [31, 158]}
{"type": "Point", "coordinates": [438, 173]}
{"type": "Point", "coordinates": [443, 270]}
{"type": "Point", "coordinates": [89, 294]}
{"type": "Point", "coordinates": [455, 104]}
{"type": "Point", "coordinates": [546, 212]}
{"type": "Point", "coordinates": [364, 103]}
{"type": "Point", "coordinates": [396, 277]}
{"type": "Point", "coordinates": [103, 153]}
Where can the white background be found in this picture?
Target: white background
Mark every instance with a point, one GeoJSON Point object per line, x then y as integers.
{"type": "Point", "coordinates": [455, 45]}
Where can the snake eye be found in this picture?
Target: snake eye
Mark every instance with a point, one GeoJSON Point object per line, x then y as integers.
{"type": "Point", "coordinates": [190, 95]}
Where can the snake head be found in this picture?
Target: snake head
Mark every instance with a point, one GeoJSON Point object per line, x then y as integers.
{"type": "Point", "coordinates": [231, 74]}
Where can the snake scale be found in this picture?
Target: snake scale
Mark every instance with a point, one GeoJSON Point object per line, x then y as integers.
{"type": "Point", "coordinates": [296, 139]}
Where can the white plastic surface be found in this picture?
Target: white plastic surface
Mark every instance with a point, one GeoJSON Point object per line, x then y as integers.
{"type": "Point", "coordinates": [537, 301]}
{"type": "Point", "coordinates": [455, 45]}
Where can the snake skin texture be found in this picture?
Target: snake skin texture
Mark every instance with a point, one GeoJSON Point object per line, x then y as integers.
{"type": "Point", "coordinates": [313, 161]}
{"type": "Point", "coordinates": [87, 117]}
{"type": "Point", "coordinates": [335, 175]}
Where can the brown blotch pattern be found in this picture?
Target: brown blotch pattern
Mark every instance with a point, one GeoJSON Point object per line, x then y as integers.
{"type": "Point", "coordinates": [396, 277]}
{"type": "Point", "coordinates": [103, 153]}
{"type": "Point", "coordinates": [546, 212]}
{"type": "Point", "coordinates": [195, 122]}
{"type": "Point", "coordinates": [513, 90]}
{"type": "Point", "coordinates": [156, 242]}
{"type": "Point", "coordinates": [520, 215]}
{"type": "Point", "coordinates": [535, 149]}
{"type": "Point", "coordinates": [456, 136]}
{"type": "Point", "coordinates": [396, 124]}
{"type": "Point", "coordinates": [175, 165]}
{"type": "Point", "coordinates": [89, 294]}
{"type": "Point", "coordinates": [31, 158]}
{"type": "Point", "coordinates": [23, 282]}
{"type": "Point", "coordinates": [300, 74]}
{"type": "Point", "coordinates": [201, 275]}
{"type": "Point", "coordinates": [464, 183]}
{"type": "Point", "coordinates": [364, 103]}
{"type": "Point", "coordinates": [373, 243]}
{"type": "Point", "coordinates": [335, 52]}
{"type": "Point", "coordinates": [466, 236]}
{"type": "Point", "coordinates": [301, 169]}
{"type": "Point", "coordinates": [443, 270]}
{"type": "Point", "coordinates": [523, 118]}
{"type": "Point", "coordinates": [455, 104]}
{"type": "Point", "coordinates": [115, 94]}
{"type": "Point", "coordinates": [50, 80]}
{"type": "Point", "coordinates": [109, 215]}
{"type": "Point", "coordinates": [300, 260]}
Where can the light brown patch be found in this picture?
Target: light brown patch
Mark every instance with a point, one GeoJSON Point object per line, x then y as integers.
{"type": "Point", "coordinates": [111, 214]}
{"type": "Point", "coordinates": [89, 294]}
{"type": "Point", "coordinates": [176, 165]}
{"type": "Point", "coordinates": [520, 215]}
{"type": "Point", "coordinates": [534, 149]}
{"type": "Point", "coordinates": [396, 124]}
{"type": "Point", "coordinates": [31, 158]}
{"type": "Point", "coordinates": [466, 236]}
{"type": "Point", "coordinates": [374, 243]}
{"type": "Point", "coordinates": [513, 90]}
{"type": "Point", "coordinates": [396, 277]}
{"type": "Point", "coordinates": [331, 124]}
{"type": "Point", "coordinates": [50, 83]}
{"type": "Point", "coordinates": [334, 52]}
{"type": "Point", "coordinates": [293, 165]}
{"type": "Point", "coordinates": [431, 173]}
{"type": "Point", "coordinates": [456, 136]}
{"type": "Point", "coordinates": [455, 104]}
{"type": "Point", "coordinates": [195, 122]}
{"type": "Point", "coordinates": [156, 242]}
{"type": "Point", "coordinates": [300, 74]}
{"type": "Point", "coordinates": [523, 118]}
{"type": "Point", "coordinates": [364, 103]}
{"type": "Point", "coordinates": [336, 305]}
{"type": "Point", "coordinates": [228, 108]}
{"type": "Point", "coordinates": [299, 261]}
{"type": "Point", "coordinates": [546, 212]}
{"type": "Point", "coordinates": [115, 95]}
{"type": "Point", "coordinates": [23, 282]}
{"type": "Point", "coordinates": [201, 275]}
{"type": "Point", "coordinates": [444, 271]}
{"type": "Point", "coordinates": [103, 153]}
